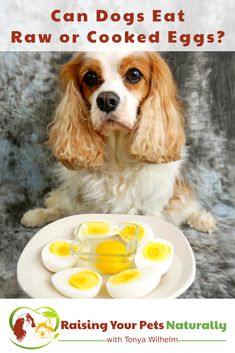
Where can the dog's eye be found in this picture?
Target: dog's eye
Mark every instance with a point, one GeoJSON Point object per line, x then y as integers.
{"type": "Point", "coordinates": [133, 75]}
{"type": "Point", "coordinates": [90, 78]}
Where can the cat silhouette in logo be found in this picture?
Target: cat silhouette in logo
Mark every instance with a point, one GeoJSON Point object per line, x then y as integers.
{"type": "Point", "coordinates": [44, 329]}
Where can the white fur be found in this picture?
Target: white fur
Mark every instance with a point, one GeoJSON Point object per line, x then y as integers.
{"type": "Point", "coordinates": [122, 185]}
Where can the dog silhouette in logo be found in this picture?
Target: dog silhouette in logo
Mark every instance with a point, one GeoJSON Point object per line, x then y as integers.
{"type": "Point", "coordinates": [21, 324]}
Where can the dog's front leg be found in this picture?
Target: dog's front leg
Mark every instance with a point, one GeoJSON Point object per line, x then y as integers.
{"type": "Point", "coordinates": [38, 217]}
{"type": "Point", "coordinates": [57, 205]}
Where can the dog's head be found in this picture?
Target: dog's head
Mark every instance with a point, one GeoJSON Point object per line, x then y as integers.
{"type": "Point", "coordinates": [104, 92]}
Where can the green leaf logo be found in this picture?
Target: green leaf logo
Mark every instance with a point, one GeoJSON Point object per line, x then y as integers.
{"type": "Point", "coordinates": [49, 314]}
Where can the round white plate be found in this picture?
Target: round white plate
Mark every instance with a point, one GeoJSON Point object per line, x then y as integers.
{"type": "Point", "coordinates": [35, 279]}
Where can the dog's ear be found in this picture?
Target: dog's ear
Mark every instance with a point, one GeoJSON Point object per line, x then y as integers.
{"type": "Point", "coordinates": [72, 138]}
{"type": "Point", "coordinates": [159, 135]}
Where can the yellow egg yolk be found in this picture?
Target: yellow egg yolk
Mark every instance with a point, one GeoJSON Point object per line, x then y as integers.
{"type": "Point", "coordinates": [125, 277]}
{"type": "Point", "coordinates": [62, 248]}
{"type": "Point", "coordinates": [99, 228]}
{"type": "Point", "coordinates": [129, 232]}
{"type": "Point", "coordinates": [157, 251]}
{"type": "Point", "coordinates": [84, 280]}
{"type": "Point", "coordinates": [109, 259]}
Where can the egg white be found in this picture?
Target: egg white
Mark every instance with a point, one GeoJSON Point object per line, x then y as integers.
{"type": "Point", "coordinates": [163, 266]}
{"type": "Point", "coordinates": [139, 287]}
{"type": "Point", "coordinates": [112, 231]}
{"type": "Point", "coordinates": [60, 281]}
{"type": "Point", "coordinates": [56, 263]}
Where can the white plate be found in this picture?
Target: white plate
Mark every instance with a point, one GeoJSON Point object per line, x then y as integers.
{"type": "Point", "coordinates": [35, 279]}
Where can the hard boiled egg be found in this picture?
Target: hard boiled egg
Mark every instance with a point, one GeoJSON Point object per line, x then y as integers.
{"type": "Point", "coordinates": [56, 256]}
{"type": "Point", "coordinates": [77, 282]}
{"type": "Point", "coordinates": [135, 283]}
{"type": "Point", "coordinates": [143, 230]}
{"type": "Point", "coordinates": [97, 229]}
{"type": "Point", "coordinates": [158, 253]}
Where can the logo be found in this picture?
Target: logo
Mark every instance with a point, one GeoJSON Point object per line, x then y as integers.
{"type": "Point", "coordinates": [33, 328]}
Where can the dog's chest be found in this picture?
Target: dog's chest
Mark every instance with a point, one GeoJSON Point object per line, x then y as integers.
{"type": "Point", "coordinates": [130, 189]}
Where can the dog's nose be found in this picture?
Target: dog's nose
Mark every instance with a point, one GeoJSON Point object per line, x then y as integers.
{"type": "Point", "coordinates": [107, 101]}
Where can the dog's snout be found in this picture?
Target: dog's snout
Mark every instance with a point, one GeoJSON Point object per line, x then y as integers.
{"type": "Point", "coordinates": [107, 101]}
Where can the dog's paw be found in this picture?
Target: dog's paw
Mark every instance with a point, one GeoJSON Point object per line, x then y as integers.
{"type": "Point", "coordinates": [34, 218]}
{"type": "Point", "coordinates": [203, 221]}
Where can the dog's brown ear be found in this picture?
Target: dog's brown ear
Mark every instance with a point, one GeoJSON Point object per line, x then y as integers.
{"type": "Point", "coordinates": [72, 138]}
{"type": "Point", "coordinates": [159, 136]}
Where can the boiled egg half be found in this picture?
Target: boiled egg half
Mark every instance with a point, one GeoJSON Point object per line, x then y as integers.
{"type": "Point", "coordinates": [96, 229]}
{"type": "Point", "coordinates": [158, 253]}
{"type": "Point", "coordinates": [140, 230]}
{"type": "Point", "coordinates": [56, 256]}
{"type": "Point", "coordinates": [134, 283]}
{"type": "Point", "coordinates": [77, 282]}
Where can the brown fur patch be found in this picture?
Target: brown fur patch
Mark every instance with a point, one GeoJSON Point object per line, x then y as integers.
{"type": "Point", "coordinates": [159, 135]}
{"type": "Point", "coordinates": [140, 62]}
{"type": "Point", "coordinates": [75, 71]}
{"type": "Point", "coordinates": [182, 192]}
{"type": "Point", "coordinates": [72, 137]}
{"type": "Point", "coordinates": [90, 65]}
{"type": "Point", "coordinates": [70, 71]}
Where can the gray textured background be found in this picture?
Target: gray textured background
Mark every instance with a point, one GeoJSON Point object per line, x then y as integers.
{"type": "Point", "coordinates": [28, 96]}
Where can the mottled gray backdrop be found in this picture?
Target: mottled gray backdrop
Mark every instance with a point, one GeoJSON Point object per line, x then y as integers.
{"type": "Point", "coordinates": [28, 96]}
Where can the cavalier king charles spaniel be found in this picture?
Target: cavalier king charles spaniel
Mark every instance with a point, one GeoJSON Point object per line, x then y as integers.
{"type": "Point", "coordinates": [119, 135]}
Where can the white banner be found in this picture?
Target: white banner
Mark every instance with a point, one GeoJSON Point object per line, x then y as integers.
{"type": "Point", "coordinates": [117, 325]}
{"type": "Point", "coordinates": [58, 25]}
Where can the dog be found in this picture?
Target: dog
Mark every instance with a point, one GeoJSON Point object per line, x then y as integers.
{"type": "Point", "coordinates": [118, 134]}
